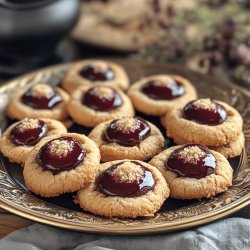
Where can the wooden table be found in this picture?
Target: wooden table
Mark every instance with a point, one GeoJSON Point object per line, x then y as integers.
{"type": "Point", "coordinates": [10, 223]}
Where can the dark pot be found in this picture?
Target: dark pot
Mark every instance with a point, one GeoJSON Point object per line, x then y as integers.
{"type": "Point", "coordinates": [30, 30]}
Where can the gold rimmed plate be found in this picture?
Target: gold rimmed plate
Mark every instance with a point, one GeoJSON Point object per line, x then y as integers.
{"type": "Point", "coordinates": [174, 214]}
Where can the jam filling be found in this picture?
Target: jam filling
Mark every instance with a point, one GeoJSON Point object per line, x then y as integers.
{"type": "Point", "coordinates": [191, 160]}
{"type": "Point", "coordinates": [95, 73]}
{"type": "Point", "coordinates": [160, 90]}
{"type": "Point", "coordinates": [205, 111]}
{"type": "Point", "coordinates": [41, 96]}
{"type": "Point", "coordinates": [28, 132]}
{"type": "Point", "coordinates": [127, 131]}
{"type": "Point", "coordinates": [102, 98]}
{"type": "Point", "coordinates": [61, 154]}
{"type": "Point", "coordinates": [126, 179]}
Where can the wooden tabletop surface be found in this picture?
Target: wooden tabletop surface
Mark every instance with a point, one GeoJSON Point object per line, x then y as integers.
{"type": "Point", "coordinates": [10, 223]}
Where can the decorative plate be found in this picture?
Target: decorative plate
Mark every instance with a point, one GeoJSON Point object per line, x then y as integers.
{"type": "Point", "coordinates": [175, 214]}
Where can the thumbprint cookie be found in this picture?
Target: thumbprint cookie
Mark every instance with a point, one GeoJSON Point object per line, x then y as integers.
{"type": "Point", "coordinates": [209, 123]}
{"type": "Point", "coordinates": [61, 164]}
{"type": "Point", "coordinates": [193, 171]}
{"type": "Point", "coordinates": [19, 139]}
{"type": "Point", "coordinates": [157, 95]}
{"type": "Point", "coordinates": [127, 138]}
{"type": "Point", "coordinates": [90, 106]}
{"type": "Point", "coordinates": [92, 72]}
{"type": "Point", "coordinates": [126, 189]}
{"type": "Point", "coordinates": [39, 101]}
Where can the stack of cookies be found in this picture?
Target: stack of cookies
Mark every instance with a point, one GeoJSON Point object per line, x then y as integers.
{"type": "Point", "coordinates": [120, 169]}
{"type": "Point", "coordinates": [207, 122]}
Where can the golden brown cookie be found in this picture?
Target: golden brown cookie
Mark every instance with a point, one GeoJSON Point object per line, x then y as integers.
{"type": "Point", "coordinates": [90, 106]}
{"type": "Point", "coordinates": [92, 72]}
{"type": "Point", "coordinates": [206, 122]}
{"type": "Point", "coordinates": [233, 148]}
{"type": "Point", "coordinates": [159, 94]}
{"type": "Point", "coordinates": [61, 164]}
{"type": "Point", "coordinates": [127, 138]}
{"type": "Point", "coordinates": [18, 140]}
{"type": "Point", "coordinates": [194, 172]}
{"type": "Point", "coordinates": [126, 189]}
{"type": "Point", "coordinates": [132, 25]}
{"type": "Point", "coordinates": [39, 101]}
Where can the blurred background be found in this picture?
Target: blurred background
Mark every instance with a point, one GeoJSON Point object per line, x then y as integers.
{"type": "Point", "coordinates": [208, 36]}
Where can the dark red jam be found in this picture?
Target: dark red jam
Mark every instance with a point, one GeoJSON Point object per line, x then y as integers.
{"type": "Point", "coordinates": [192, 160]}
{"type": "Point", "coordinates": [21, 135]}
{"type": "Point", "coordinates": [41, 102]}
{"type": "Point", "coordinates": [102, 98]}
{"type": "Point", "coordinates": [159, 91]}
{"type": "Point", "coordinates": [209, 116]}
{"type": "Point", "coordinates": [61, 154]}
{"type": "Point", "coordinates": [127, 131]}
{"type": "Point", "coordinates": [113, 185]}
{"type": "Point", "coordinates": [95, 73]}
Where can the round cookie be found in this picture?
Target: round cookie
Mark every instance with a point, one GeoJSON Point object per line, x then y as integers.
{"type": "Point", "coordinates": [233, 148]}
{"type": "Point", "coordinates": [157, 95]}
{"type": "Point", "coordinates": [90, 106]}
{"type": "Point", "coordinates": [184, 131]}
{"type": "Point", "coordinates": [183, 187]}
{"type": "Point", "coordinates": [39, 101]}
{"type": "Point", "coordinates": [132, 25]}
{"type": "Point", "coordinates": [18, 140]}
{"type": "Point", "coordinates": [61, 164]}
{"type": "Point", "coordinates": [124, 21]}
{"type": "Point", "coordinates": [92, 72]}
{"type": "Point", "coordinates": [130, 138]}
{"type": "Point", "coordinates": [126, 189]}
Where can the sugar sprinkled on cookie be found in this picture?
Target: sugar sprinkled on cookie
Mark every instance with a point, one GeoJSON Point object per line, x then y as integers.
{"type": "Point", "coordinates": [128, 131]}
{"type": "Point", "coordinates": [27, 124]}
{"type": "Point", "coordinates": [41, 90]}
{"type": "Point", "coordinates": [205, 104]}
{"type": "Point", "coordinates": [191, 154]}
{"type": "Point", "coordinates": [191, 160]}
{"type": "Point", "coordinates": [104, 92]}
{"type": "Point", "coordinates": [28, 132]}
{"type": "Point", "coordinates": [205, 111]}
{"type": "Point", "coordinates": [128, 172]}
{"type": "Point", "coordinates": [60, 147]}
{"type": "Point", "coordinates": [127, 124]}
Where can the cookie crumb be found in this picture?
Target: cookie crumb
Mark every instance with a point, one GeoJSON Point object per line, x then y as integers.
{"type": "Point", "coordinates": [104, 92]}
{"type": "Point", "coordinates": [27, 124]}
{"type": "Point", "coordinates": [128, 172]}
{"type": "Point", "coordinates": [191, 154]}
{"type": "Point", "coordinates": [205, 104]}
{"type": "Point", "coordinates": [127, 124]}
{"type": "Point", "coordinates": [60, 148]}
{"type": "Point", "coordinates": [41, 90]}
